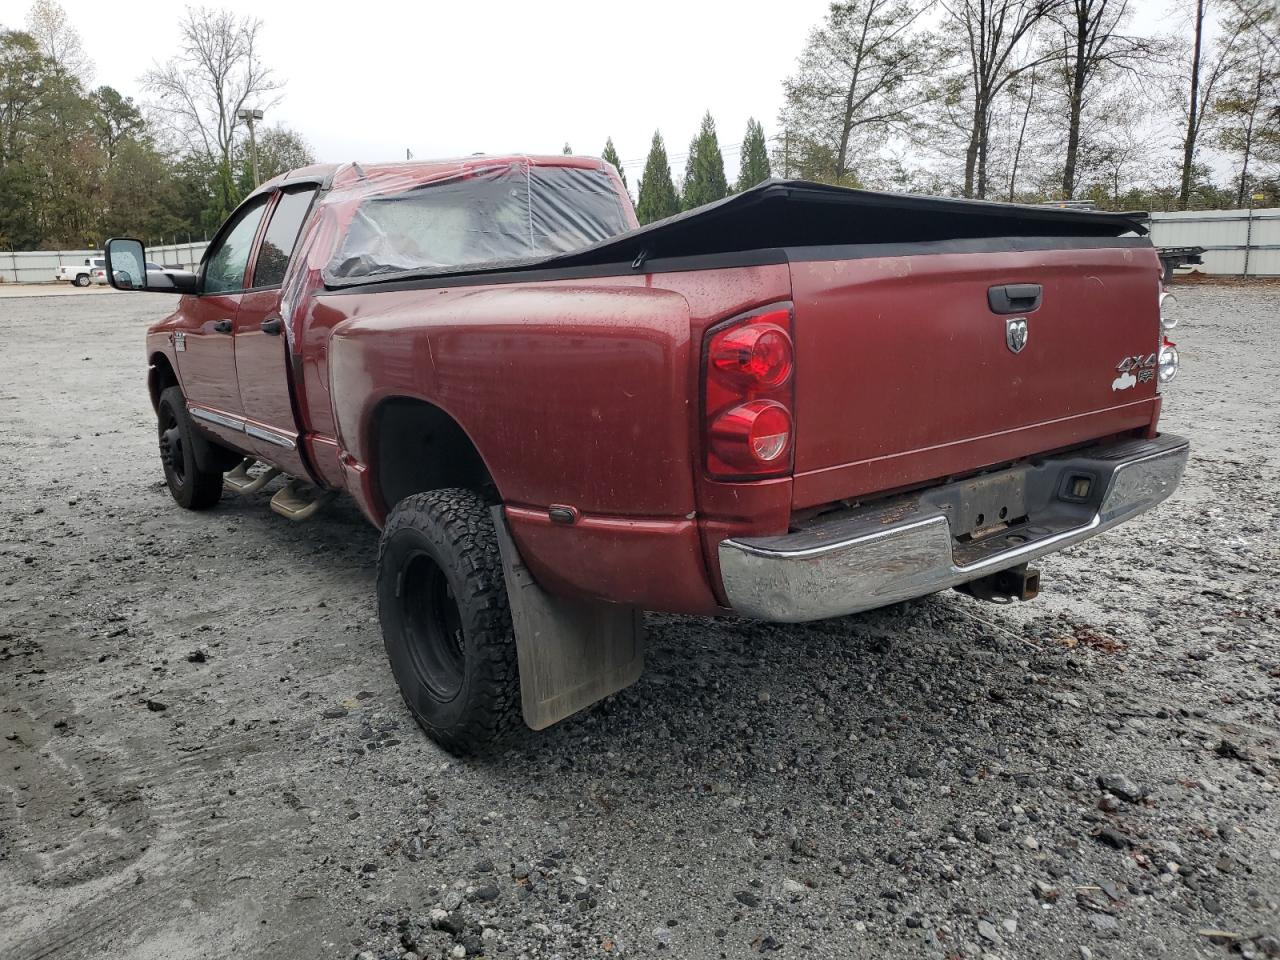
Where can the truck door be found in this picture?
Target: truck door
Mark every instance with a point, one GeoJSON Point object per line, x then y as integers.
{"type": "Point", "coordinates": [261, 342]}
{"type": "Point", "coordinates": [205, 343]}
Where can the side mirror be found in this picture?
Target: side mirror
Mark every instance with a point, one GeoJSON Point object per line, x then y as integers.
{"type": "Point", "coordinates": [126, 263]}
{"type": "Point", "coordinates": [127, 270]}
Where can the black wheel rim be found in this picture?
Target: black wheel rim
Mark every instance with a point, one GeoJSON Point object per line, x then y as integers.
{"type": "Point", "coordinates": [432, 626]}
{"type": "Point", "coordinates": [171, 451]}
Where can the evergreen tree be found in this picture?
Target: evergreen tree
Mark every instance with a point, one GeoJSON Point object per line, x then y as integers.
{"type": "Point", "coordinates": [568, 150]}
{"type": "Point", "coordinates": [704, 180]}
{"type": "Point", "coordinates": [755, 157]}
{"type": "Point", "coordinates": [658, 198]}
{"type": "Point", "coordinates": [610, 155]}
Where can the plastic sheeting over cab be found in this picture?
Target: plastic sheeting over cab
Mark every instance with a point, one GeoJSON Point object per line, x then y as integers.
{"type": "Point", "coordinates": [566, 226]}
{"type": "Point", "coordinates": [473, 215]}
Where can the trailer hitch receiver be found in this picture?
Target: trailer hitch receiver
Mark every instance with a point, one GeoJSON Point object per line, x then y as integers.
{"type": "Point", "coordinates": [1016, 583]}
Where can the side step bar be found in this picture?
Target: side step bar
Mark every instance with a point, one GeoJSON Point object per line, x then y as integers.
{"type": "Point", "coordinates": [299, 501]}
{"type": "Point", "coordinates": [239, 481]}
{"type": "Point", "coordinates": [296, 500]}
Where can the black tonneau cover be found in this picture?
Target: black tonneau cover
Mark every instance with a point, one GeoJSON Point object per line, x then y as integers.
{"type": "Point", "coordinates": [799, 213]}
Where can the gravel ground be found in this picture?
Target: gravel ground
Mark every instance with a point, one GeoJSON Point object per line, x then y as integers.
{"type": "Point", "coordinates": [204, 753]}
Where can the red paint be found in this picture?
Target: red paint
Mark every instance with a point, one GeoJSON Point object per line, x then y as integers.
{"type": "Point", "coordinates": [926, 383]}
{"type": "Point", "coordinates": [649, 564]}
{"type": "Point", "coordinates": [588, 393]}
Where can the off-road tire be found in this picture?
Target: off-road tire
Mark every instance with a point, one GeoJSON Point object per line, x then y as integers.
{"type": "Point", "coordinates": [192, 487]}
{"type": "Point", "coordinates": [455, 665]}
{"type": "Point", "coordinates": [81, 280]}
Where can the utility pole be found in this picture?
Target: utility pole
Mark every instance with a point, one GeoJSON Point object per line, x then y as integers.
{"type": "Point", "coordinates": [251, 117]}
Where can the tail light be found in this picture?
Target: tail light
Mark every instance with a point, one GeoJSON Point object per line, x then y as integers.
{"type": "Point", "coordinates": [1168, 310]}
{"type": "Point", "coordinates": [1167, 360]}
{"type": "Point", "coordinates": [748, 395]}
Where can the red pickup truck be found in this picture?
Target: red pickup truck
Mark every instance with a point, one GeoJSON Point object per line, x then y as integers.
{"type": "Point", "coordinates": [796, 403]}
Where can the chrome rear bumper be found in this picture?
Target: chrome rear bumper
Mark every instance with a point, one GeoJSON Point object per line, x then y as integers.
{"type": "Point", "coordinates": [868, 557]}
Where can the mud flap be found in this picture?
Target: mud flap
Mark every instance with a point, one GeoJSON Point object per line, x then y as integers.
{"type": "Point", "coordinates": [571, 652]}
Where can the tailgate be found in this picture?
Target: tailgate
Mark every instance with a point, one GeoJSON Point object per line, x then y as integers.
{"type": "Point", "coordinates": [905, 374]}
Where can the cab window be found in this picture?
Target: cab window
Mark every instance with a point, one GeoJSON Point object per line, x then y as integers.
{"type": "Point", "coordinates": [280, 236]}
{"type": "Point", "coordinates": [224, 271]}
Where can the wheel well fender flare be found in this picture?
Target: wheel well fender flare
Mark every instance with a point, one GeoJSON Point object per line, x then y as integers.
{"type": "Point", "coordinates": [161, 375]}
{"type": "Point", "coordinates": [413, 445]}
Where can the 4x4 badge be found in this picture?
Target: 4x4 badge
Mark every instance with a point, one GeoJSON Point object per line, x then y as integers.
{"type": "Point", "coordinates": [1134, 370]}
{"type": "Point", "coordinates": [1015, 333]}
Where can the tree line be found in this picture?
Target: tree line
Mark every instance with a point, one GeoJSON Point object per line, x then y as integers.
{"type": "Point", "coordinates": [1023, 100]}
{"type": "Point", "coordinates": [1017, 100]}
{"type": "Point", "coordinates": [80, 162]}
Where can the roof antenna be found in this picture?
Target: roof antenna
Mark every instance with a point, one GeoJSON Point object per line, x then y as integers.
{"type": "Point", "coordinates": [359, 169]}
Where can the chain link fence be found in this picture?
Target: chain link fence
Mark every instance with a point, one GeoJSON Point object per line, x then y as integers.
{"type": "Point", "coordinates": [41, 266]}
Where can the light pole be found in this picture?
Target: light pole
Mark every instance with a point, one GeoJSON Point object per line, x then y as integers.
{"type": "Point", "coordinates": [251, 117]}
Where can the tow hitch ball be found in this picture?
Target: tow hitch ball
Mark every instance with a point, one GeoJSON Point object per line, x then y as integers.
{"type": "Point", "coordinates": [1018, 583]}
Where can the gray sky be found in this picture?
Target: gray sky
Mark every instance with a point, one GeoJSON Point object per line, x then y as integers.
{"type": "Point", "coordinates": [365, 81]}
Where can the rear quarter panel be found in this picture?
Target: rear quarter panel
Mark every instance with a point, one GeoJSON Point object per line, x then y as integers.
{"type": "Point", "coordinates": [583, 393]}
{"type": "Point", "coordinates": [573, 395]}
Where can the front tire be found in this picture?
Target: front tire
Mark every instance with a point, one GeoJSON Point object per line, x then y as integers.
{"type": "Point", "coordinates": [442, 602]}
{"type": "Point", "coordinates": [193, 487]}
{"type": "Point", "coordinates": [82, 280]}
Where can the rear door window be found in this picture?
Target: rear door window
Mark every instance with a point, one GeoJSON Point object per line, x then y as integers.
{"type": "Point", "coordinates": [281, 236]}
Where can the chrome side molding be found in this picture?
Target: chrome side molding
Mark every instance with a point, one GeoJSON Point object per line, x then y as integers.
{"type": "Point", "coordinates": [240, 425]}
{"type": "Point", "coordinates": [270, 436]}
{"type": "Point", "coordinates": [212, 416]}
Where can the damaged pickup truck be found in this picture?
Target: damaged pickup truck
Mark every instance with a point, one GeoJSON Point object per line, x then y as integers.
{"type": "Point", "coordinates": [796, 403]}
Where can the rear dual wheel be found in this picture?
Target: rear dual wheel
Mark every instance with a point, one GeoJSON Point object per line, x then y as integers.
{"type": "Point", "coordinates": [442, 602]}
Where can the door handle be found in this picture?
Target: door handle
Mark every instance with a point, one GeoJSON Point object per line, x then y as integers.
{"type": "Point", "coordinates": [1014, 298]}
{"type": "Point", "coordinates": [272, 326]}
{"type": "Point", "coordinates": [222, 326]}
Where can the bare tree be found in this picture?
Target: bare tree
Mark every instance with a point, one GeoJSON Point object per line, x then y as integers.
{"type": "Point", "coordinates": [1246, 112]}
{"type": "Point", "coordinates": [217, 71]}
{"type": "Point", "coordinates": [1115, 148]}
{"type": "Point", "coordinates": [860, 78]}
{"type": "Point", "coordinates": [1194, 110]}
{"type": "Point", "coordinates": [1022, 134]}
{"type": "Point", "coordinates": [1092, 46]}
{"type": "Point", "coordinates": [1204, 79]}
{"type": "Point", "coordinates": [58, 41]}
{"type": "Point", "coordinates": [992, 32]}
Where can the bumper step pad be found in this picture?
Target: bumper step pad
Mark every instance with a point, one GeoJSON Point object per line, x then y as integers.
{"type": "Point", "coordinates": [867, 557]}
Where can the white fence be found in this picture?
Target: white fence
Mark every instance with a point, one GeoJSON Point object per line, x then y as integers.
{"type": "Point", "coordinates": [39, 266]}
{"type": "Point", "coordinates": [1237, 243]}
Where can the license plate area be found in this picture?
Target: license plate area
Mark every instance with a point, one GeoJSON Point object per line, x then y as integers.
{"type": "Point", "coordinates": [986, 505]}
{"type": "Point", "coordinates": [1009, 508]}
